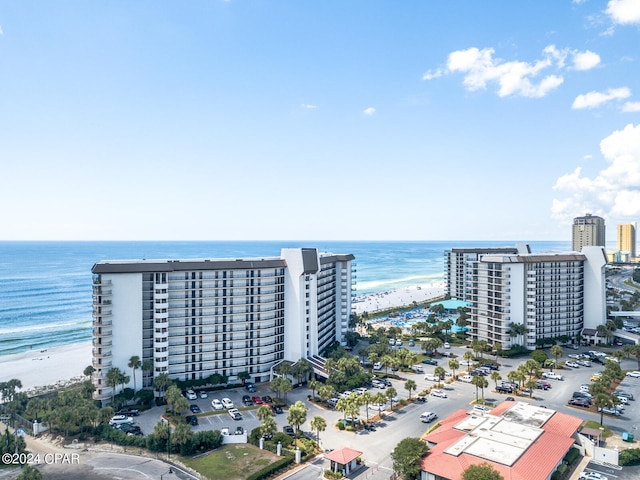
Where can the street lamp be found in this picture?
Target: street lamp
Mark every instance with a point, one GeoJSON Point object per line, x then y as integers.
{"type": "Point", "coordinates": [168, 471]}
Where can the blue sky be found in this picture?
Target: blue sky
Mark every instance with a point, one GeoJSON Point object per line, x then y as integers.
{"type": "Point", "coordinates": [359, 120]}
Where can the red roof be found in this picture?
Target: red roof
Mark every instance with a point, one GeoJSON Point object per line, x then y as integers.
{"type": "Point", "coordinates": [537, 462]}
{"type": "Point", "coordinates": [343, 455]}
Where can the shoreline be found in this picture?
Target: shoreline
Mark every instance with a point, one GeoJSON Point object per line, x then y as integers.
{"type": "Point", "coordinates": [398, 297]}
{"type": "Point", "coordinates": [48, 367]}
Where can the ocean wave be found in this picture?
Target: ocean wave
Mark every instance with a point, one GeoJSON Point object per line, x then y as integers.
{"type": "Point", "coordinates": [42, 327]}
{"type": "Point", "coordinates": [390, 284]}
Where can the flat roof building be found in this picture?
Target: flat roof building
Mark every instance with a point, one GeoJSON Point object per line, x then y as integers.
{"type": "Point", "coordinates": [587, 231]}
{"type": "Point", "coordinates": [519, 440]}
{"type": "Point", "coordinates": [627, 239]}
{"type": "Point", "coordinates": [198, 317]}
{"type": "Point", "coordinates": [551, 294]}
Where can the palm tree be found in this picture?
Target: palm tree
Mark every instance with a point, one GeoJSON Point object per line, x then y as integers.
{"type": "Point", "coordinates": [495, 376]}
{"type": "Point", "coordinates": [454, 365]}
{"type": "Point", "coordinates": [326, 392]}
{"type": "Point", "coordinates": [601, 401]}
{"type": "Point", "coordinates": [318, 424]}
{"type": "Point", "coordinates": [410, 385]}
{"type": "Point", "coordinates": [556, 351]}
{"type": "Point", "coordinates": [269, 426]}
{"type": "Point", "coordinates": [366, 399]}
{"type": "Point", "coordinates": [477, 381]}
{"type": "Point", "coordinates": [439, 372]}
{"type": "Point", "coordinates": [113, 379]}
{"type": "Point", "coordinates": [161, 383]}
{"type": "Point", "coordinates": [468, 357]}
{"type": "Point", "coordinates": [263, 412]}
{"type": "Point", "coordinates": [147, 368]}
{"type": "Point", "coordinates": [134, 364]}
{"type": "Point", "coordinates": [390, 393]}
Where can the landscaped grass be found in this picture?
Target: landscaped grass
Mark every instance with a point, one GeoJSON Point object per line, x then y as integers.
{"type": "Point", "coordinates": [231, 462]}
{"type": "Point", "coordinates": [596, 425]}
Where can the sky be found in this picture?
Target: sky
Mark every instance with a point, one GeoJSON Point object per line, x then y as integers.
{"type": "Point", "coordinates": [332, 120]}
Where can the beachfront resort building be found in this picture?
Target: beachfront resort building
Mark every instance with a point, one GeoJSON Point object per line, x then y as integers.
{"type": "Point", "coordinates": [627, 240]}
{"type": "Point", "coordinates": [519, 440]}
{"type": "Point", "coordinates": [587, 231]}
{"type": "Point", "coordinates": [194, 318]}
{"type": "Point", "coordinates": [458, 266]}
{"type": "Point", "coordinates": [551, 294]}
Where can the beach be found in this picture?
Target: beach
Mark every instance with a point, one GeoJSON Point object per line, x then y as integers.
{"type": "Point", "coordinates": [398, 297]}
{"type": "Point", "coordinates": [40, 368]}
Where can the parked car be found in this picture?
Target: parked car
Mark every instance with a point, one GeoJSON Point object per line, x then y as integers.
{"type": "Point", "coordinates": [203, 394]}
{"type": "Point", "coordinates": [504, 389]}
{"type": "Point", "coordinates": [192, 420]}
{"type": "Point", "coordinates": [250, 387]}
{"type": "Point", "coordinates": [369, 427]}
{"type": "Point", "coordinates": [377, 406]}
{"type": "Point", "coordinates": [584, 363]}
{"type": "Point", "coordinates": [257, 400]}
{"type": "Point", "coordinates": [591, 476]}
{"type": "Point", "coordinates": [227, 403]}
{"type": "Point", "coordinates": [239, 431]}
{"type": "Point", "coordinates": [634, 374]}
{"type": "Point", "coordinates": [579, 402]}
{"type": "Point", "coordinates": [446, 345]}
{"type": "Point", "coordinates": [129, 412]}
{"type": "Point", "coordinates": [246, 400]}
{"type": "Point", "coordinates": [572, 364]}
{"type": "Point", "coordinates": [610, 411]}
{"type": "Point", "coordinates": [429, 361]}
{"type": "Point", "coordinates": [288, 429]}
{"type": "Point", "coordinates": [438, 393]}
{"type": "Point", "coordinates": [235, 414]}
{"type": "Point", "coordinates": [267, 399]}
{"type": "Point", "coordinates": [577, 356]}
{"type": "Point", "coordinates": [216, 404]}
{"type": "Point", "coordinates": [479, 409]}
{"type": "Point", "coordinates": [130, 429]}
{"type": "Point", "coordinates": [621, 393]}
{"type": "Point", "coordinates": [276, 409]}
{"type": "Point", "coordinates": [377, 366]}
{"type": "Point", "coordinates": [119, 419]}
{"type": "Point", "coordinates": [332, 402]}
{"type": "Point", "coordinates": [418, 369]}
{"type": "Point", "coordinates": [431, 377]}
{"type": "Point", "coordinates": [191, 395]}
{"type": "Point", "coordinates": [553, 376]}
{"type": "Point", "coordinates": [465, 378]}
{"type": "Point", "coordinates": [194, 408]}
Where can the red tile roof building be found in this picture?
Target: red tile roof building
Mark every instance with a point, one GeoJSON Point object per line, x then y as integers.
{"type": "Point", "coordinates": [520, 441]}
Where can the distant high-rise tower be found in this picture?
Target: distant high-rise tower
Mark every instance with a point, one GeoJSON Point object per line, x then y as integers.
{"type": "Point", "coordinates": [627, 238]}
{"type": "Point", "coordinates": [588, 231]}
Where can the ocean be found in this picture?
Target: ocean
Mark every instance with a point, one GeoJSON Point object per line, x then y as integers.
{"type": "Point", "coordinates": [45, 287]}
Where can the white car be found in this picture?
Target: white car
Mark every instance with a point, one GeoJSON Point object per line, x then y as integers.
{"type": "Point", "coordinates": [591, 476]}
{"type": "Point", "coordinates": [553, 375]}
{"type": "Point", "coordinates": [191, 395]}
{"type": "Point", "coordinates": [418, 369]}
{"type": "Point", "coordinates": [634, 374]}
{"type": "Point", "coordinates": [439, 393]}
{"type": "Point", "coordinates": [446, 345]}
{"type": "Point", "coordinates": [360, 390]}
{"type": "Point", "coordinates": [431, 377]}
{"type": "Point", "coordinates": [235, 414]}
{"type": "Point", "coordinates": [216, 404]}
{"type": "Point", "coordinates": [120, 419]}
{"type": "Point", "coordinates": [377, 366]}
{"type": "Point", "coordinates": [427, 417]}
{"type": "Point", "coordinates": [478, 409]}
{"type": "Point", "coordinates": [466, 378]}
{"type": "Point", "coordinates": [227, 403]}
{"type": "Point", "coordinates": [224, 431]}
{"type": "Point", "coordinates": [377, 406]}
{"type": "Point", "coordinates": [351, 419]}
{"type": "Point", "coordinates": [203, 394]}
{"type": "Point", "coordinates": [577, 356]}
{"type": "Point", "coordinates": [584, 363]}
{"type": "Point", "coordinates": [572, 364]}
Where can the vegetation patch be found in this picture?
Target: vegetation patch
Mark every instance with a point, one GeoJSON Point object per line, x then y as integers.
{"type": "Point", "coordinates": [231, 462]}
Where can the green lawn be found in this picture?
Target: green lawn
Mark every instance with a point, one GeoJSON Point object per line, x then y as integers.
{"type": "Point", "coordinates": [231, 462]}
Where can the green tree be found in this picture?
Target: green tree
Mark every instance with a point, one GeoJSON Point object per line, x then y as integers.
{"type": "Point", "coordinates": [113, 380]}
{"type": "Point", "coordinates": [134, 364]}
{"type": "Point", "coordinates": [468, 357]}
{"type": "Point", "coordinates": [244, 376]}
{"type": "Point", "coordinates": [484, 471]}
{"type": "Point", "coordinates": [407, 457]}
{"type": "Point", "coordinates": [480, 382]}
{"type": "Point", "coordinates": [263, 412]}
{"type": "Point", "coordinates": [411, 386]}
{"type": "Point", "coordinates": [182, 438]}
{"type": "Point", "coordinates": [390, 394]}
{"type": "Point", "coordinates": [29, 473]}
{"type": "Point", "coordinates": [556, 351]}
{"type": "Point", "coordinates": [454, 365]}
{"type": "Point", "coordinates": [313, 386]}
{"type": "Point", "coordinates": [88, 371]}
{"type": "Point", "coordinates": [301, 369]}
{"type": "Point", "coordinates": [439, 372]}
{"type": "Point", "coordinates": [161, 383]}
{"type": "Point", "coordinates": [318, 424]}
{"type": "Point", "coordinates": [297, 415]}
{"type": "Point", "coordinates": [269, 426]}
{"type": "Point", "coordinates": [326, 392]}
{"type": "Point", "coordinates": [495, 376]}
{"type": "Point", "coordinates": [366, 399]}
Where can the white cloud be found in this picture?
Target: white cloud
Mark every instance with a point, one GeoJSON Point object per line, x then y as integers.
{"type": "Point", "coordinates": [587, 157]}
{"type": "Point", "coordinates": [309, 106]}
{"type": "Point", "coordinates": [1, 32]}
{"type": "Point", "coordinates": [614, 191]}
{"type": "Point", "coordinates": [585, 60]}
{"type": "Point", "coordinates": [631, 107]}
{"type": "Point", "coordinates": [369, 111]}
{"type": "Point", "coordinates": [528, 79]}
{"type": "Point", "coordinates": [624, 11]}
{"type": "Point", "coordinates": [596, 99]}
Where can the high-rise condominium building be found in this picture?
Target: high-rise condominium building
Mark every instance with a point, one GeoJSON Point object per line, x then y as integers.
{"type": "Point", "coordinates": [194, 318]}
{"type": "Point", "coordinates": [458, 265]}
{"type": "Point", "coordinates": [627, 238]}
{"type": "Point", "coordinates": [550, 294]}
{"type": "Point", "coordinates": [588, 231]}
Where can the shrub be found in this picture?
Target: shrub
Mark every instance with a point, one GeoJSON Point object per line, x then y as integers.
{"type": "Point", "coordinates": [271, 469]}
{"type": "Point", "coordinates": [629, 457]}
{"type": "Point", "coordinates": [332, 475]}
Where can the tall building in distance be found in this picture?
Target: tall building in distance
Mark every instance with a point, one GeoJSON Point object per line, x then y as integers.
{"type": "Point", "coordinates": [194, 318]}
{"type": "Point", "coordinates": [551, 295]}
{"type": "Point", "coordinates": [627, 239]}
{"type": "Point", "coordinates": [588, 231]}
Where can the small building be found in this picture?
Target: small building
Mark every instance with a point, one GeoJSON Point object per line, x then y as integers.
{"type": "Point", "coordinates": [519, 440]}
{"type": "Point", "coordinates": [343, 459]}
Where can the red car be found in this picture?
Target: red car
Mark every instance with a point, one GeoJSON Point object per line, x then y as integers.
{"type": "Point", "coordinates": [257, 400]}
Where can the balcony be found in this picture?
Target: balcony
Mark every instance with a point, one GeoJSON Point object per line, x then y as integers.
{"type": "Point", "coordinates": [101, 342]}
{"type": "Point", "coordinates": [102, 322]}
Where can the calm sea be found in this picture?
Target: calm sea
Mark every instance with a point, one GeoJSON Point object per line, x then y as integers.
{"type": "Point", "coordinates": [45, 287]}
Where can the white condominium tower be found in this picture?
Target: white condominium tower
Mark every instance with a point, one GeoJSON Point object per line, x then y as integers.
{"type": "Point", "coordinates": [627, 238]}
{"type": "Point", "coordinates": [196, 317]}
{"type": "Point", "coordinates": [549, 294]}
{"type": "Point", "coordinates": [587, 231]}
{"type": "Point", "coordinates": [458, 265]}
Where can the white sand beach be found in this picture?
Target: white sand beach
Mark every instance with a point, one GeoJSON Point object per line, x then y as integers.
{"type": "Point", "coordinates": [40, 368]}
{"type": "Point", "coordinates": [399, 297]}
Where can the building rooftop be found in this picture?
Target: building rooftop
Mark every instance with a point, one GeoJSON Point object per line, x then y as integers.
{"type": "Point", "coordinates": [521, 441]}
